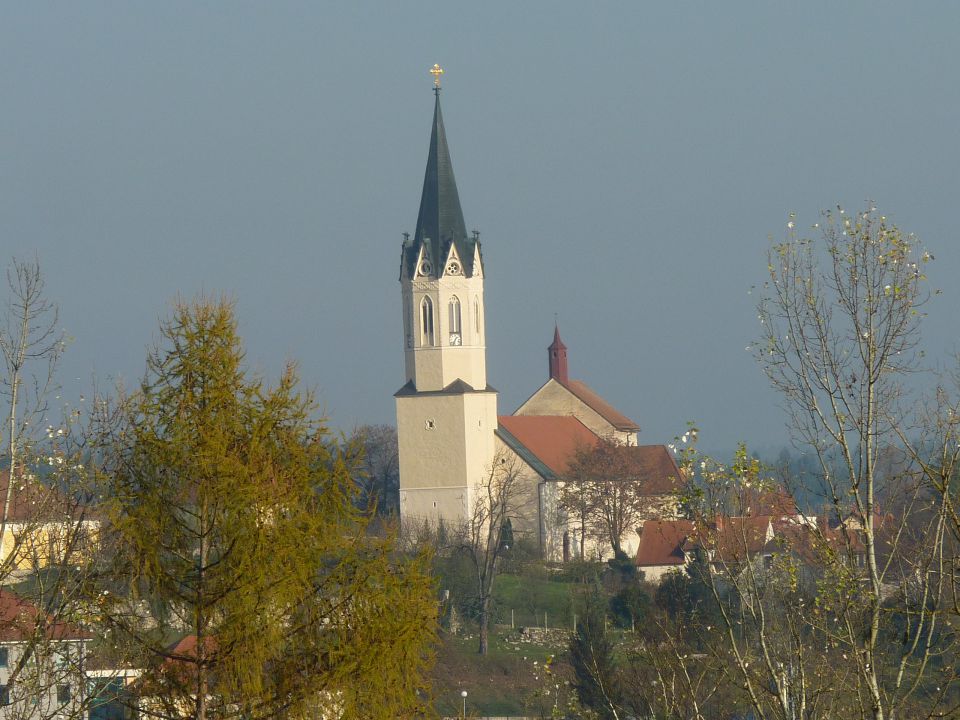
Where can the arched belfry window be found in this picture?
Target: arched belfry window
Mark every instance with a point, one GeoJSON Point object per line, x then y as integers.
{"type": "Point", "coordinates": [476, 318]}
{"type": "Point", "coordinates": [426, 321]}
{"type": "Point", "coordinates": [453, 315]}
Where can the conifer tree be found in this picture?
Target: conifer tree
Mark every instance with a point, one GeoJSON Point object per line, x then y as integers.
{"type": "Point", "coordinates": [243, 579]}
{"type": "Point", "coordinates": [596, 678]}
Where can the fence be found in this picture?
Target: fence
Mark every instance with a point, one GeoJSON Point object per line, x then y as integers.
{"type": "Point", "coordinates": [525, 617]}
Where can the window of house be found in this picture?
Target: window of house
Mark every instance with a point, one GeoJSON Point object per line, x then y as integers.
{"type": "Point", "coordinates": [4, 656]}
{"type": "Point", "coordinates": [426, 321]}
{"type": "Point", "coordinates": [4, 695]}
{"type": "Point", "coordinates": [63, 694]}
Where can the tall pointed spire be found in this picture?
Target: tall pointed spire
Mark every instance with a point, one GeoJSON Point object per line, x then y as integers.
{"type": "Point", "coordinates": [440, 220]}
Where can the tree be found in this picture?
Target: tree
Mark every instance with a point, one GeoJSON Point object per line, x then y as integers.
{"type": "Point", "coordinates": [630, 605]}
{"type": "Point", "coordinates": [46, 531]}
{"type": "Point", "coordinates": [482, 537]}
{"type": "Point", "coordinates": [378, 471]}
{"type": "Point", "coordinates": [846, 615]}
{"type": "Point", "coordinates": [596, 678]}
{"type": "Point", "coordinates": [603, 488]}
{"type": "Point", "coordinates": [840, 328]}
{"type": "Point", "coordinates": [232, 527]}
{"type": "Point", "coordinates": [31, 345]}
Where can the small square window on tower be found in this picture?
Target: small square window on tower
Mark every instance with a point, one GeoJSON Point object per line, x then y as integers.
{"type": "Point", "coordinates": [431, 424]}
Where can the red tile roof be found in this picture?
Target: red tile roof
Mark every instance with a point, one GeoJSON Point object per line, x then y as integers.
{"type": "Point", "coordinates": [777, 502]}
{"type": "Point", "coordinates": [186, 647]}
{"type": "Point", "coordinates": [21, 620]}
{"type": "Point", "coordinates": [553, 439]}
{"type": "Point", "coordinates": [813, 543]}
{"type": "Point", "coordinates": [734, 539]}
{"type": "Point", "coordinates": [31, 501]}
{"type": "Point", "coordinates": [657, 468]}
{"type": "Point", "coordinates": [661, 542]}
{"type": "Point", "coordinates": [601, 406]}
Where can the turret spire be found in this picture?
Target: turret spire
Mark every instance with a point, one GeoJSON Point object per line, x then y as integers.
{"type": "Point", "coordinates": [557, 354]}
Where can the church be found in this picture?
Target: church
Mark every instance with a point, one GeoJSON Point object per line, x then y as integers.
{"type": "Point", "coordinates": [450, 434]}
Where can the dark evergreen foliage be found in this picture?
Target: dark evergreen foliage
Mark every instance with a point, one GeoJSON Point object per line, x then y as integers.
{"type": "Point", "coordinates": [596, 679]}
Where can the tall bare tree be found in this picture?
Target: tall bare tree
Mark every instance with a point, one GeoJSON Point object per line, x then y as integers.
{"type": "Point", "coordinates": [840, 336]}
{"type": "Point", "coordinates": [47, 532]}
{"type": "Point", "coordinates": [481, 538]}
{"type": "Point", "coordinates": [31, 345]}
{"type": "Point", "coordinates": [603, 489]}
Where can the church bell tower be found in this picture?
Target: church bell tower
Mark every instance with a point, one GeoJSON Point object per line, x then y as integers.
{"type": "Point", "coordinates": [446, 412]}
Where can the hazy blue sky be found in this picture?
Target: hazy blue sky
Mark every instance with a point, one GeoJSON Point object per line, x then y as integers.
{"type": "Point", "coordinates": [625, 164]}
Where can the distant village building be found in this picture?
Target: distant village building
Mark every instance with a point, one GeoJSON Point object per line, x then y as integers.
{"type": "Point", "coordinates": [41, 673]}
{"type": "Point", "coordinates": [43, 526]}
{"type": "Point", "coordinates": [448, 427]}
{"type": "Point", "coordinates": [770, 525]}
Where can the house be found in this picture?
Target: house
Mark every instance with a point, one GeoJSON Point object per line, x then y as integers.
{"type": "Point", "coordinates": [730, 543]}
{"type": "Point", "coordinates": [41, 661]}
{"type": "Point", "coordinates": [43, 526]}
{"type": "Point", "coordinates": [560, 395]}
{"type": "Point", "coordinates": [170, 688]}
{"type": "Point", "coordinates": [664, 547]}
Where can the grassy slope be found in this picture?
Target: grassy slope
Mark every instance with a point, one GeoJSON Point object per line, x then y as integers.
{"type": "Point", "coordinates": [506, 681]}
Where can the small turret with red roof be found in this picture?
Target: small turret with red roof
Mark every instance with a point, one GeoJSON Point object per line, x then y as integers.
{"type": "Point", "coordinates": [557, 353]}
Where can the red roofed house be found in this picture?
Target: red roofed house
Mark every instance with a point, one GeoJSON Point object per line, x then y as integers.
{"type": "Point", "coordinates": [730, 542]}
{"type": "Point", "coordinates": [449, 434]}
{"type": "Point", "coordinates": [663, 547]}
{"type": "Point", "coordinates": [170, 688]}
{"type": "Point", "coordinates": [41, 661]}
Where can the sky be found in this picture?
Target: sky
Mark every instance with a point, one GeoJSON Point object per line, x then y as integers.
{"type": "Point", "coordinates": [625, 163]}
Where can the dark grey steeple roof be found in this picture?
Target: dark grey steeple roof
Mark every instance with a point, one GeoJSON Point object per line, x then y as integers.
{"type": "Point", "coordinates": [440, 221]}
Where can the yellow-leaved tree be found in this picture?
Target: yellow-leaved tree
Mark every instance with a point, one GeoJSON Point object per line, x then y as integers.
{"type": "Point", "coordinates": [239, 574]}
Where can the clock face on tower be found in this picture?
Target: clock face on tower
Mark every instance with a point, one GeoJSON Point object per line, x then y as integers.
{"type": "Point", "coordinates": [455, 339]}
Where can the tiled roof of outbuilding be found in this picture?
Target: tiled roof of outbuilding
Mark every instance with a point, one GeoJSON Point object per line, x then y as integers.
{"type": "Point", "coordinates": [661, 542]}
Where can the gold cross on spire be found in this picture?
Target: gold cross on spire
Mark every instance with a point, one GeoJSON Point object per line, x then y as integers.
{"type": "Point", "coordinates": [436, 71]}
